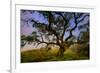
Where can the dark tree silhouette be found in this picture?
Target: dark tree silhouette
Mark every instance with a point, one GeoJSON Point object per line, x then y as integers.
{"type": "Point", "coordinates": [54, 31]}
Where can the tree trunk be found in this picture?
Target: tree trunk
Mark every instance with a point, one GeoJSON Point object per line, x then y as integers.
{"type": "Point", "coordinates": [61, 52]}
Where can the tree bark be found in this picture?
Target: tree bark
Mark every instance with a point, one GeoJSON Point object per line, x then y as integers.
{"type": "Point", "coordinates": [61, 51]}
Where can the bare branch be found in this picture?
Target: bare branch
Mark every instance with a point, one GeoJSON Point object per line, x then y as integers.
{"type": "Point", "coordinates": [82, 19]}
{"type": "Point", "coordinates": [75, 20]}
{"type": "Point", "coordinates": [76, 23]}
{"type": "Point", "coordinates": [66, 22]}
{"type": "Point", "coordinates": [47, 43]}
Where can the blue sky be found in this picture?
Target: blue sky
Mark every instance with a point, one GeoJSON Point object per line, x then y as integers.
{"type": "Point", "coordinates": [26, 29]}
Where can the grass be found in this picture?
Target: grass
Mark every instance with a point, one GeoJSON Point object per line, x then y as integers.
{"type": "Point", "coordinates": [38, 55]}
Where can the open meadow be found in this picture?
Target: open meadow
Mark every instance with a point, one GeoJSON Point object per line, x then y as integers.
{"type": "Point", "coordinates": [42, 55]}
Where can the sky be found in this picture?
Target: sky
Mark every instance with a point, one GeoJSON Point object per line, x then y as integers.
{"type": "Point", "coordinates": [27, 29]}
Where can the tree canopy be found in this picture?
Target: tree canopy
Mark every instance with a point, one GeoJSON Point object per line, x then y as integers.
{"type": "Point", "coordinates": [56, 28]}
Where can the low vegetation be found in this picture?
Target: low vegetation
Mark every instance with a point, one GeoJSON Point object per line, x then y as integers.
{"type": "Point", "coordinates": [42, 55]}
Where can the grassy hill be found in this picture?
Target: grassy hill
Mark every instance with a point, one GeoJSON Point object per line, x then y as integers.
{"type": "Point", "coordinates": [42, 55]}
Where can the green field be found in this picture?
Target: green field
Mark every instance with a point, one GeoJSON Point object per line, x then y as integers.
{"type": "Point", "coordinates": [42, 55]}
